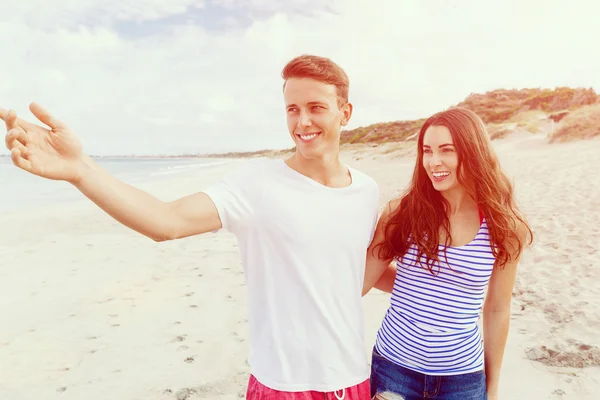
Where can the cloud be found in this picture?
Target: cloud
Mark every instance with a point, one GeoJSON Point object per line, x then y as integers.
{"type": "Point", "coordinates": [72, 13]}
{"type": "Point", "coordinates": [205, 76]}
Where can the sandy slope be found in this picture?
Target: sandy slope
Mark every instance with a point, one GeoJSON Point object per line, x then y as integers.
{"type": "Point", "coordinates": [92, 310]}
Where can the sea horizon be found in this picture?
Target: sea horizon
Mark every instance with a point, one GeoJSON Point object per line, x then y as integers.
{"type": "Point", "coordinates": [20, 190]}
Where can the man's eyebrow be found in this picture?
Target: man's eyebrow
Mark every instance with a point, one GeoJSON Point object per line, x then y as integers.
{"type": "Point", "coordinates": [310, 103]}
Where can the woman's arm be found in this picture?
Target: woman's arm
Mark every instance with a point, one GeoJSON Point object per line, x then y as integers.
{"type": "Point", "coordinates": [376, 267]}
{"type": "Point", "coordinates": [388, 279]}
{"type": "Point", "coordinates": [496, 318]}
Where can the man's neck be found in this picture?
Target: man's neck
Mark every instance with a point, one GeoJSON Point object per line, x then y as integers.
{"type": "Point", "coordinates": [327, 170]}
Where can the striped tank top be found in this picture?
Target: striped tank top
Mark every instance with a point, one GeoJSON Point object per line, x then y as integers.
{"type": "Point", "coordinates": [431, 325]}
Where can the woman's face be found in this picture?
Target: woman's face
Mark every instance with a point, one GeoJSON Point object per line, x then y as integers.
{"type": "Point", "coordinates": [440, 158]}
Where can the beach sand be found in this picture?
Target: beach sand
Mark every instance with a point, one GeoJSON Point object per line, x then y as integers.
{"type": "Point", "coordinates": [92, 310]}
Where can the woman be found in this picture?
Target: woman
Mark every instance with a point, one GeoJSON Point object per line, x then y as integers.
{"type": "Point", "coordinates": [455, 234]}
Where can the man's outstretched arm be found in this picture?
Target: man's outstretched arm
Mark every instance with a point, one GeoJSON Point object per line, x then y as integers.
{"type": "Point", "coordinates": [144, 213]}
{"type": "Point", "coordinates": [57, 154]}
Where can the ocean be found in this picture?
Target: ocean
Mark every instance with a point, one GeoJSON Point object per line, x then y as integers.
{"type": "Point", "coordinates": [20, 190]}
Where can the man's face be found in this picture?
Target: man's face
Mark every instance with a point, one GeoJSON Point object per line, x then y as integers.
{"type": "Point", "coordinates": [314, 117]}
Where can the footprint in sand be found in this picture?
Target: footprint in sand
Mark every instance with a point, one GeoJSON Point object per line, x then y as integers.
{"type": "Point", "coordinates": [185, 394]}
{"type": "Point", "coordinates": [180, 338]}
{"type": "Point", "coordinates": [538, 259]}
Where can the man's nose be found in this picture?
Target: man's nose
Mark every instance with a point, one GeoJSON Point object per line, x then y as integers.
{"type": "Point", "coordinates": [304, 119]}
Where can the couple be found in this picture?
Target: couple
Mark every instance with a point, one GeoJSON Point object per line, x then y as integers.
{"type": "Point", "coordinates": [308, 225]}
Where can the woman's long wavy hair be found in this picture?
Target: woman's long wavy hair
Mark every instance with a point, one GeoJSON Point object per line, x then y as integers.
{"type": "Point", "coordinates": [422, 211]}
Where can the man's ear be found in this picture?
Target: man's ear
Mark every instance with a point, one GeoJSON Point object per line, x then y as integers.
{"type": "Point", "coordinates": [346, 113]}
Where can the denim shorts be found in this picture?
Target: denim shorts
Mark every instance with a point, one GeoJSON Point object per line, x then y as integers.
{"type": "Point", "coordinates": [393, 382]}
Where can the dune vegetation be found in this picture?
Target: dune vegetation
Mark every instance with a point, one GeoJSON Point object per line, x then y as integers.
{"type": "Point", "coordinates": [561, 113]}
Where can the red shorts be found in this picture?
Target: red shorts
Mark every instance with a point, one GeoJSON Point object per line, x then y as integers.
{"type": "Point", "coordinates": [258, 391]}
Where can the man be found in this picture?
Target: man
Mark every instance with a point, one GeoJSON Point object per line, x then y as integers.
{"type": "Point", "coordinates": [303, 226]}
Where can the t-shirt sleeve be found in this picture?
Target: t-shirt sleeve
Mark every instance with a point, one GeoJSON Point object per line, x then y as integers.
{"type": "Point", "coordinates": [237, 195]}
{"type": "Point", "coordinates": [375, 208]}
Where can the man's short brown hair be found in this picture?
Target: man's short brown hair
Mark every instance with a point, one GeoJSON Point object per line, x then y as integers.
{"type": "Point", "coordinates": [320, 69]}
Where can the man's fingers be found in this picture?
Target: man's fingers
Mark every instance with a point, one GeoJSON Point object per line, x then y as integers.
{"type": "Point", "coordinates": [18, 159]}
{"type": "Point", "coordinates": [10, 119]}
{"type": "Point", "coordinates": [14, 136]}
{"type": "Point", "coordinates": [22, 149]}
{"type": "Point", "coordinates": [44, 116]}
{"type": "Point", "coordinates": [19, 121]}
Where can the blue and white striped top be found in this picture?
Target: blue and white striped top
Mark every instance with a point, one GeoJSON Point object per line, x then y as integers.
{"type": "Point", "coordinates": [431, 325]}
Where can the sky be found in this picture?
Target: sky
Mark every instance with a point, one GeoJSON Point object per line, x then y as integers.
{"type": "Point", "coordinates": [195, 76]}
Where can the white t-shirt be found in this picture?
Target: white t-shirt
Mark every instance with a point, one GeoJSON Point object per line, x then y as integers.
{"type": "Point", "coordinates": [303, 248]}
